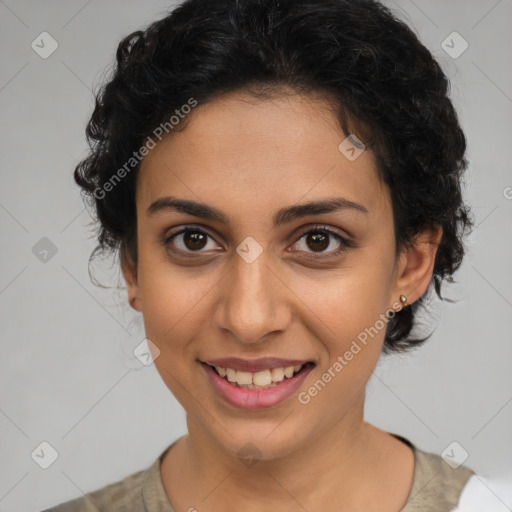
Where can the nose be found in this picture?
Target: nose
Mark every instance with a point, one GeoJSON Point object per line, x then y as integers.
{"type": "Point", "coordinates": [254, 302]}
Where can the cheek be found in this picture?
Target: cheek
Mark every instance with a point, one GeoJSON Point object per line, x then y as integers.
{"type": "Point", "coordinates": [351, 323]}
{"type": "Point", "coordinates": [173, 309]}
{"type": "Point", "coordinates": [172, 301]}
{"type": "Point", "coordinates": [347, 312]}
{"type": "Point", "coordinates": [351, 299]}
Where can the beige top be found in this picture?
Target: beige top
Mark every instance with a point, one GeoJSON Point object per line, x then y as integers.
{"type": "Point", "coordinates": [436, 487]}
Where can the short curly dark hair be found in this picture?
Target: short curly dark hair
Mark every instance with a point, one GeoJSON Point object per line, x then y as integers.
{"type": "Point", "coordinates": [389, 91]}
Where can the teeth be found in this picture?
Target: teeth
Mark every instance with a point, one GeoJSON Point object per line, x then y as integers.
{"type": "Point", "coordinates": [262, 379]}
{"type": "Point", "coordinates": [231, 374]}
{"type": "Point", "coordinates": [221, 371]}
{"type": "Point", "coordinates": [277, 374]}
{"type": "Point", "coordinates": [288, 371]}
{"type": "Point", "coordinates": [243, 377]}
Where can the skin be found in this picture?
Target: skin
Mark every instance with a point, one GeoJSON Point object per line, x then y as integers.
{"type": "Point", "coordinates": [249, 158]}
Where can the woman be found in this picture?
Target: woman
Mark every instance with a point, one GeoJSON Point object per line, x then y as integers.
{"type": "Point", "coordinates": [282, 182]}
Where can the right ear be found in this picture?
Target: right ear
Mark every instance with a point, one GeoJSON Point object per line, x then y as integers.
{"type": "Point", "coordinates": [129, 269]}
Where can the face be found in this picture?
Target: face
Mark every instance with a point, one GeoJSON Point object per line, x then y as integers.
{"type": "Point", "coordinates": [255, 282]}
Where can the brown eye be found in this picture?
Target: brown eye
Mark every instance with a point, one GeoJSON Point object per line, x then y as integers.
{"type": "Point", "coordinates": [194, 240]}
{"type": "Point", "coordinates": [188, 241]}
{"type": "Point", "coordinates": [318, 239]}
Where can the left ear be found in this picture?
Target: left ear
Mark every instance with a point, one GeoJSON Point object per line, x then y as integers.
{"type": "Point", "coordinates": [416, 265]}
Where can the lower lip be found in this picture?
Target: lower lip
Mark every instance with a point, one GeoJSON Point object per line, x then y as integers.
{"type": "Point", "coordinates": [255, 398]}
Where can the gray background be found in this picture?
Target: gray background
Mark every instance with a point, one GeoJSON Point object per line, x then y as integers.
{"type": "Point", "coordinates": [67, 371]}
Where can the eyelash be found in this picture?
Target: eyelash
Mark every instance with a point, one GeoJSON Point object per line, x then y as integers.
{"type": "Point", "coordinates": [345, 244]}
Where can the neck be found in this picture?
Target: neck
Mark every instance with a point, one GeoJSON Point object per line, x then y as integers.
{"type": "Point", "coordinates": [299, 468]}
{"type": "Point", "coordinates": [339, 462]}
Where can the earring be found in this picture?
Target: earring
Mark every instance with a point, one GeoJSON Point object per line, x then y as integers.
{"type": "Point", "coordinates": [403, 300]}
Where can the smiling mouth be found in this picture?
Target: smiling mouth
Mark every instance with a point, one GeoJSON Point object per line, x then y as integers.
{"type": "Point", "coordinates": [259, 380]}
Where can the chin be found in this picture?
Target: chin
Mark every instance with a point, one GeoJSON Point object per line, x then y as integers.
{"type": "Point", "coordinates": [251, 446]}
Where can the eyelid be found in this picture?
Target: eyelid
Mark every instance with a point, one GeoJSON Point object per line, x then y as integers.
{"type": "Point", "coordinates": [304, 230]}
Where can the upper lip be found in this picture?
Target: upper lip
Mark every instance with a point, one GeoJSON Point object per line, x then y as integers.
{"type": "Point", "coordinates": [254, 365]}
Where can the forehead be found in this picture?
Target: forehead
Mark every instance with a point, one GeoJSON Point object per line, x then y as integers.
{"type": "Point", "coordinates": [260, 153]}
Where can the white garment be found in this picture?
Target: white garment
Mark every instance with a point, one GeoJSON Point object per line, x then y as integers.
{"type": "Point", "coordinates": [485, 495]}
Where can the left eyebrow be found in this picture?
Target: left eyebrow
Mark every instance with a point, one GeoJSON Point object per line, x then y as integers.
{"type": "Point", "coordinates": [282, 216]}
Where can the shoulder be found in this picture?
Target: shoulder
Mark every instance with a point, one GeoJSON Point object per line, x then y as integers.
{"type": "Point", "coordinates": [142, 491]}
{"type": "Point", "coordinates": [437, 475]}
{"type": "Point", "coordinates": [122, 496]}
{"type": "Point", "coordinates": [436, 486]}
